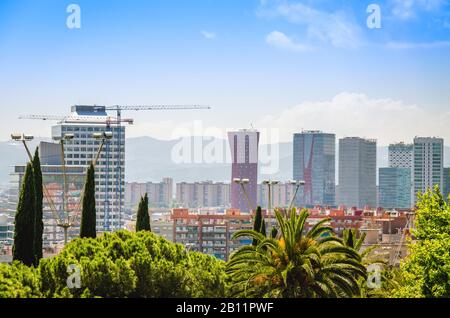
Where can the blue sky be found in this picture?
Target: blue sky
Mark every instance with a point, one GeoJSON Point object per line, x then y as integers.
{"type": "Point", "coordinates": [290, 65]}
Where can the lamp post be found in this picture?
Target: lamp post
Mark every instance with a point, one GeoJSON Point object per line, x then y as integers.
{"type": "Point", "coordinates": [65, 224]}
{"type": "Point", "coordinates": [297, 183]}
{"type": "Point", "coordinates": [243, 182]}
{"type": "Point", "coordinates": [269, 184]}
{"type": "Point", "coordinates": [24, 138]}
{"type": "Point", "coordinates": [104, 136]}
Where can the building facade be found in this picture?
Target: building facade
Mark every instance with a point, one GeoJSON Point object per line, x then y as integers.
{"type": "Point", "coordinates": [83, 122]}
{"type": "Point", "coordinates": [160, 194]}
{"type": "Point", "coordinates": [357, 172]}
{"type": "Point", "coordinates": [314, 162]}
{"type": "Point", "coordinates": [281, 195]}
{"type": "Point", "coordinates": [203, 194]}
{"type": "Point", "coordinates": [428, 164]}
{"type": "Point", "coordinates": [395, 188]}
{"type": "Point", "coordinates": [210, 233]}
{"type": "Point", "coordinates": [401, 155]}
{"type": "Point", "coordinates": [446, 189]}
{"type": "Point", "coordinates": [244, 154]}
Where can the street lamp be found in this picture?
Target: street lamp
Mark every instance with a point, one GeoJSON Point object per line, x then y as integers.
{"type": "Point", "coordinates": [24, 138]}
{"type": "Point", "coordinates": [297, 183]}
{"type": "Point", "coordinates": [65, 224]}
{"type": "Point", "coordinates": [243, 182]}
{"type": "Point", "coordinates": [269, 184]}
{"type": "Point", "coordinates": [104, 136]}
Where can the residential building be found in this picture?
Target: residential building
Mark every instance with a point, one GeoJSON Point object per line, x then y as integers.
{"type": "Point", "coordinates": [203, 194]}
{"type": "Point", "coordinates": [210, 233]}
{"type": "Point", "coordinates": [395, 188]}
{"type": "Point", "coordinates": [357, 172]}
{"type": "Point", "coordinates": [83, 122]}
{"type": "Point", "coordinates": [244, 154]}
{"type": "Point", "coordinates": [428, 164]}
{"type": "Point", "coordinates": [281, 195]}
{"type": "Point", "coordinates": [160, 194]}
{"type": "Point", "coordinates": [314, 162]}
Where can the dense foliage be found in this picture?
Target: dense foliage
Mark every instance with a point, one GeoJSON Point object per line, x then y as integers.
{"type": "Point", "coordinates": [23, 249]}
{"type": "Point", "coordinates": [38, 212]}
{"type": "Point", "coordinates": [19, 281]}
{"type": "Point", "coordinates": [125, 264]}
{"type": "Point", "coordinates": [143, 217]}
{"type": "Point", "coordinates": [259, 224]}
{"type": "Point", "coordinates": [88, 214]}
{"type": "Point", "coordinates": [297, 263]}
{"type": "Point", "coordinates": [426, 271]}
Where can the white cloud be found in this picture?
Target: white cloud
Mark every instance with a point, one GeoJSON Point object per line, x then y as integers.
{"type": "Point", "coordinates": [408, 9]}
{"type": "Point", "coordinates": [208, 35]}
{"type": "Point", "coordinates": [280, 40]}
{"type": "Point", "coordinates": [418, 45]}
{"type": "Point", "coordinates": [335, 28]}
{"type": "Point", "coordinates": [350, 114]}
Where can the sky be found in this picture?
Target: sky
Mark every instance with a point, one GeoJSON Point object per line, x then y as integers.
{"type": "Point", "coordinates": [286, 65]}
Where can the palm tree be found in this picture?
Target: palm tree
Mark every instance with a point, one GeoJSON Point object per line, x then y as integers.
{"type": "Point", "coordinates": [297, 263]}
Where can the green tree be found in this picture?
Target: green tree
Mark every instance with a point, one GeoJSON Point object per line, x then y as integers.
{"type": "Point", "coordinates": [299, 264]}
{"type": "Point", "coordinates": [23, 249]}
{"type": "Point", "coordinates": [426, 270]}
{"type": "Point", "coordinates": [39, 223]}
{"type": "Point", "coordinates": [125, 264]}
{"type": "Point", "coordinates": [88, 215]}
{"type": "Point", "coordinates": [259, 225]}
{"type": "Point", "coordinates": [19, 281]}
{"type": "Point", "coordinates": [143, 217]}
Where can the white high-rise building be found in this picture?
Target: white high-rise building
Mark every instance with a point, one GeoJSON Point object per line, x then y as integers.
{"type": "Point", "coordinates": [401, 155]}
{"type": "Point", "coordinates": [83, 122]}
{"type": "Point", "coordinates": [428, 164]}
{"type": "Point", "coordinates": [357, 172]}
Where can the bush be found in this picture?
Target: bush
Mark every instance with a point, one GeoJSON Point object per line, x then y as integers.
{"type": "Point", "coordinates": [124, 264]}
{"type": "Point", "coordinates": [19, 281]}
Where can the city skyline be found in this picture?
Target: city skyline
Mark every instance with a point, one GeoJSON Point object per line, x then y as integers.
{"type": "Point", "coordinates": [318, 77]}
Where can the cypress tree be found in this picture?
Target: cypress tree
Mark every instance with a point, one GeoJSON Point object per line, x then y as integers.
{"type": "Point", "coordinates": [258, 224]}
{"type": "Point", "coordinates": [143, 218]}
{"type": "Point", "coordinates": [39, 224]}
{"type": "Point", "coordinates": [88, 214]}
{"type": "Point", "coordinates": [23, 249]}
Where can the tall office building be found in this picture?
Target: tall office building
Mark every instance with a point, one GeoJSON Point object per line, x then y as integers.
{"type": "Point", "coordinates": [395, 188]}
{"type": "Point", "coordinates": [314, 162]}
{"type": "Point", "coordinates": [446, 189]}
{"type": "Point", "coordinates": [428, 164]}
{"type": "Point", "coordinates": [244, 154]}
{"type": "Point", "coordinates": [357, 172]}
{"type": "Point", "coordinates": [83, 122]}
{"type": "Point", "coordinates": [401, 155]}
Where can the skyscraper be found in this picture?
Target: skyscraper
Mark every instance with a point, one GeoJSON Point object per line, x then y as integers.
{"type": "Point", "coordinates": [83, 122]}
{"type": "Point", "coordinates": [428, 164]}
{"type": "Point", "coordinates": [357, 172]}
{"type": "Point", "coordinates": [244, 155]}
{"type": "Point", "coordinates": [401, 155]}
{"type": "Point", "coordinates": [395, 188]}
{"type": "Point", "coordinates": [314, 162]}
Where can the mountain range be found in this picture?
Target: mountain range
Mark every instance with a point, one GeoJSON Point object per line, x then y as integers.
{"type": "Point", "coordinates": [149, 159]}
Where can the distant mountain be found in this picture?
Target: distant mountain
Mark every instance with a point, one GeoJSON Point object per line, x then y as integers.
{"type": "Point", "coordinates": [149, 159]}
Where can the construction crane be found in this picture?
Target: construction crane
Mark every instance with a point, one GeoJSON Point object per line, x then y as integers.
{"type": "Point", "coordinates": [118, 122]}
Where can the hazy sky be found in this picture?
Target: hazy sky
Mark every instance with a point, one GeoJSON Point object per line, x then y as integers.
{"type": "Point", "coordinates": [287, 64]}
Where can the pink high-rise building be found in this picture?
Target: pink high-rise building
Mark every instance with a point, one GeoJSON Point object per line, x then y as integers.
{"type": "Point", "coordinates": [244, 155]}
